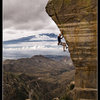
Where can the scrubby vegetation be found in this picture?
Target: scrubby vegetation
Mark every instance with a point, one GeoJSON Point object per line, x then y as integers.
{"type": "Point", "coordinates": [27, 78]}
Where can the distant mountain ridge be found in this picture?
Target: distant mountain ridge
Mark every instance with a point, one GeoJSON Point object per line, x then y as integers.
{"type": "Point", "coordinates": [51, 35]}
{"type": "Point", "coordinates": [28, 39]}
{"type": "Point", "coordinates": [23, 39]}
{"type": "Point", "coordinates": [56, 57]}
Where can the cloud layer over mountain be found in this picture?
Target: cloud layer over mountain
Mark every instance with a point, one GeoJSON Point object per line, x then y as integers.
{"type": "Point", "coordinates": [39, 44]}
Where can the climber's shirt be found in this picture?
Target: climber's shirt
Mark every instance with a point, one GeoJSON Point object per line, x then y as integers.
{"type": "Point", "coordinates": [59, 39]}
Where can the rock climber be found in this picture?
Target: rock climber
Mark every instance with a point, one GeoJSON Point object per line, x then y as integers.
{"type": "Point", "coordinates": [60, 36]}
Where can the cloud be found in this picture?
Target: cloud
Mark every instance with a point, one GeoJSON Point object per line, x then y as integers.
{"type": "Point", "coordinates": [28, 49]}
{"type": "Point", "coordinates": [23, 19]}
{"type": "Point", "coordinates": [26, 14]}
{"type": "Point", "coordinates": [16, 52]}
{"type": "Point", "coordinates": [26, 17]}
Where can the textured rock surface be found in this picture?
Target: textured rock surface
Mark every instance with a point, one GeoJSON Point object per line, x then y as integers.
{"type": "Point", "coordinates": [78, 20]}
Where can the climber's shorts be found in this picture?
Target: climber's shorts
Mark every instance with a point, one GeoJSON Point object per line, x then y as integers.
{"type": "Point", "coordinates": [62, 43]}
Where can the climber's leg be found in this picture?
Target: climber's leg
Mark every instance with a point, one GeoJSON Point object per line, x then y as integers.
{"type": "Point", "coordinates": [60, 43]}
{"type": "Point", "coordinates": [64, 48]}
{"type": "Point", "coordinates": [64, 45]}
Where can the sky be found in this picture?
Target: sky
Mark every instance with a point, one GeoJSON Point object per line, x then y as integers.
{"type": "Point", "coordinates": [28, 30]}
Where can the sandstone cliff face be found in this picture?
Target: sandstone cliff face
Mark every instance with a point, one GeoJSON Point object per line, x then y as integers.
{"type": "Point", "coordinates": [78, 21]}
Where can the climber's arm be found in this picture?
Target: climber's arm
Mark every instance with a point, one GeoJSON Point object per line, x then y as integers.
{"type": "Point", "coordinates": [61, 37]}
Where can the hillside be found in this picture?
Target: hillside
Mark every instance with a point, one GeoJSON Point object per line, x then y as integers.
{"type": "Point", "coordinates": [40, 66]}
{"type": "Point", "coordinates": [41, 77]}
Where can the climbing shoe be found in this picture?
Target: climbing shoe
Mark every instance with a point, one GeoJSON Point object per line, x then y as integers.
{"type": "Point", "coordinates": [66, 47]}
